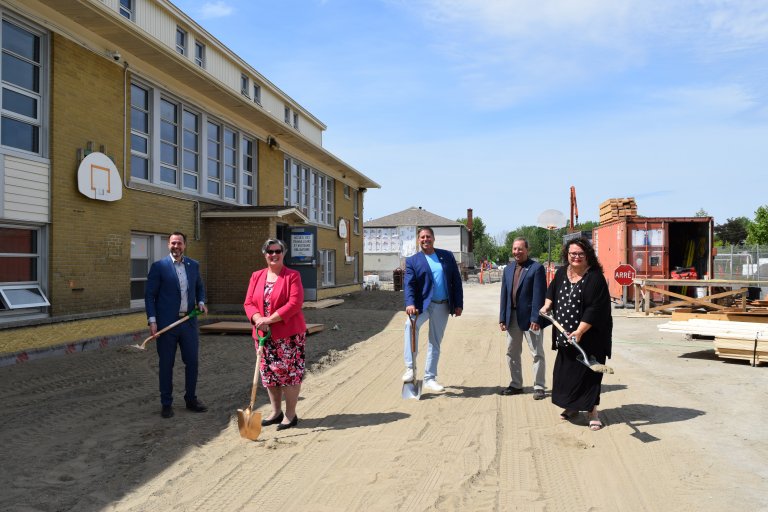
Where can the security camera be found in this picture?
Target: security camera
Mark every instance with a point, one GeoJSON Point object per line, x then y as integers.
{"type": "Point", "coordinates": [116, 56]}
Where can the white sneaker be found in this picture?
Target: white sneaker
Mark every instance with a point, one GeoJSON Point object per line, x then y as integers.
{"type": "Point", "coordinates": [408, 375]}
{"type": "Point", "coordinates": [432, 385]}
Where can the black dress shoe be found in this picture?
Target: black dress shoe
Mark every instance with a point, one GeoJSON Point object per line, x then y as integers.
{"type": "Point", "coordinates": [276, 419]}
{"type": "Point", "coordinates": [511, 391]}
{"type": "Point", "coordinates": [196, 406]}
{"type": "Point", "coordinates": [167, 411]}
{"type": "Point", "coordinates": [293, 423]}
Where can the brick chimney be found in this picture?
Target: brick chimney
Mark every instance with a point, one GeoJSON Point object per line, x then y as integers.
{"type": "Point", "coordinates": [469, 228]}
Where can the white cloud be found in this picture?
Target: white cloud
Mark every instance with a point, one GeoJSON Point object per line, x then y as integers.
{"type": "Point", "coordinates": [215, 10]}
{"type": "Point", "coordinates": [722, 99]}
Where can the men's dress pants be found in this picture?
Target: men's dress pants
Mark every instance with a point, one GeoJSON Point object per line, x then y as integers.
{"type": "Point", "coordinates": [437, 315]}
{"type": "Point", "coordinates": [535, 342]}
{"type": "Point", "coordinates": [185, 336]}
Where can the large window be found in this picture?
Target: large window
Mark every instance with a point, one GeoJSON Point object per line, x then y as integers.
{"type": "Point", "coordinates": [20, 269]}
{"type": "Point", "coordinates": [22, 87]}
{"type": "Point", "coordinates": [174, 145]}
{"type": "Point", "coordinates": [310, 191]}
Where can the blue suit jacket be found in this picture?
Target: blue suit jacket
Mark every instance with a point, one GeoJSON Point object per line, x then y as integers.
{"type": "Point", "coordinates": [531, 292]}
{"type": "Point", "coordinates": [418, 284]}
{"type": "Point", "coordinates": [162, 297]}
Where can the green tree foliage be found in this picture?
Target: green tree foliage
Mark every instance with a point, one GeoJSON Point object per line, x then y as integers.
{"type": "Point", "coordinates": [702, 213]}
{"type": "Point", "coordinates": [733, 231]}
{"type": "Point", "coordinates": [483, 245]}
{"type": "Point", "coordinates": [757, 231]}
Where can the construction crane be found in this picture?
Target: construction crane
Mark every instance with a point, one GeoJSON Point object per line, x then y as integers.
{"type": "Point", "coordinates": [574, 211]}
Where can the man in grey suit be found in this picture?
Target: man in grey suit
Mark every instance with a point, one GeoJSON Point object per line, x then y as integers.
{"type": "Point", "coordinates": [523, 290]}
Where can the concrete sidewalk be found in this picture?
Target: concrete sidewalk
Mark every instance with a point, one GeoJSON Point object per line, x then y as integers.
{"type": "Point", "coordinates": [21, 344]}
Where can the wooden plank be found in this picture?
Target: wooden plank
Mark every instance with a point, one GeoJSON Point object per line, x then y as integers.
{"type": "Point", "coordinates": [325, 303]}
{"type": "Point", "coordinates": [247, 328]}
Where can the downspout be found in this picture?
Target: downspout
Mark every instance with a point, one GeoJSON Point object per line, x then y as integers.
{"type": "Point", "coordinates": [126, 181]}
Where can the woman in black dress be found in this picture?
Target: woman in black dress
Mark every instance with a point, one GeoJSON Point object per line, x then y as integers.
{"type": "Point", "coordinates": [578, 298]}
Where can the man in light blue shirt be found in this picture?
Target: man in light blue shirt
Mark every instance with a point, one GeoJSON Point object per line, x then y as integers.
{"type": "Point", "coordinates": [433, 289]}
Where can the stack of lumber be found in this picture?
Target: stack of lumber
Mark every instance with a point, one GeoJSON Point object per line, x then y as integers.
{"type": "Point", "coordinates": [733, 340]}
{"type": "Point", "coordinates": [614, 209]}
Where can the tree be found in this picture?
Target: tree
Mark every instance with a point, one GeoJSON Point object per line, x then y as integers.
{"type": "Point", "coordinates": [733, 231]}
{"type": "Point", "coordinates": [483, 245]}
{"type": "Point", "coordinates": [757, 231]}
{"type": "Point", "coordinates": [702, 213]}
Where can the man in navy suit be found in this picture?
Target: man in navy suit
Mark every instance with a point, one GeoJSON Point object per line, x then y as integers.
{"type": "Point", "coordinates": [523, 291]}
{"type": "Point", "coordinates": [174, 287]}
{"type": "Point", "coordinates": [432, 288]}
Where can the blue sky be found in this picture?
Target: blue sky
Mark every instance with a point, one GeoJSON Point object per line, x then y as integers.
{"type": "Point", "coordinates": [502, 105]}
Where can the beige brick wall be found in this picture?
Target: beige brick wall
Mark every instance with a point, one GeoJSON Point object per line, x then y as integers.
{"type": "Point", "coordinates": [234, 253]}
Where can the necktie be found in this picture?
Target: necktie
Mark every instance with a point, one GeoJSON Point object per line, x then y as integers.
{"type": "Point", "coordinates": [515, 283]}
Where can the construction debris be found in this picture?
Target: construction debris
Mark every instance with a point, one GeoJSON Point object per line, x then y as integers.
{"type": "Point", "coordinates": [733, 340]}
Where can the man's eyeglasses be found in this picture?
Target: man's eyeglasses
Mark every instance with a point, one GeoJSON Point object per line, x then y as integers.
{"type": "Point", "coordinates": [576, 254]}
{"type": "Point", "coordinates": [274, 251]}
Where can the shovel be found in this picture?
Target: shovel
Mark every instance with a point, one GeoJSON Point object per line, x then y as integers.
{"type": "Point", "coordinates": [248, 420]}
{"type": "Point", "coordinates": [412, 390]}
{"type": "Point", "coordinates": [590, 362]}
{"type": "Point", "coordinates": [192, 314]}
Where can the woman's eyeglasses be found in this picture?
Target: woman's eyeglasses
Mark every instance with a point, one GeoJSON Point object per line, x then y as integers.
{"type": "Point", "coordinates": [576, 254]}
{"type": "Point", "coordinates": [274, 251]}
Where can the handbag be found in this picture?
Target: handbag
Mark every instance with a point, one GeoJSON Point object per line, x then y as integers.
{"type": "Point", "coordinates": [248, 420]}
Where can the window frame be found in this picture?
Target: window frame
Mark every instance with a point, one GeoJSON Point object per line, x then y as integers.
{"type": "Point", "coordinates": [256, 93]}
{"type": "Point", "coordinates": [127, 9]}
{"type": "Point", "coordinates": [41, 96]}
{"type": "Point", "coordinates": [328, 267]}
{"type": "Point", "coordinates": [157, 248]}
{"type": "Point", "coordinates": [245, 85]}
{"type": "Point", "coordinates": [182, 40]}
{"type": "Point", "coordinates": [315, 195]}
{"type": "Point", "coordinates": [200, 54]}
{"type": "Point", "coordinates": [40, 261]}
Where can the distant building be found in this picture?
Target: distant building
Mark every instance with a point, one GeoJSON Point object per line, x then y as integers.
{"type": "Point", "coordinates": [388, 240]}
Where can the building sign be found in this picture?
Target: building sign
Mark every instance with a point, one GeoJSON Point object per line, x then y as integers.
{"type": "Point", "coordinates": [400, 240]}
{"type": "Point", "coordinates": [301, 245]}
{"type": "Point", "coordinates": [97, 178]}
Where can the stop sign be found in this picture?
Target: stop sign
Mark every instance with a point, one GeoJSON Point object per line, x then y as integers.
{"type": "Point", "coordinates": [624, 274]}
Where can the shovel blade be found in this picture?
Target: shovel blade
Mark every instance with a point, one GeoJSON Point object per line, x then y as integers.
{"type": "Point", "coordinates": [412, 390]}
{"type": "Point", "coordinates": [249, 423]}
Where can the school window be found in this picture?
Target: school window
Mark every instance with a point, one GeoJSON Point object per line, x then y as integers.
{"type": "Point", "coordinates": [244, 85]}
{"type": "Point", "coordinates": [346, 191]}
{"type": "Point", "coordinates": [191, 150]}
{"type": "Point", "coordinates": [21, 125]}
{"type": "Point", "coordinates": [145, 250]}
{"type": "Point", "coordinates": [328, 267]}
{"type": "Point", "coordinates": [296, 120]}
{"type": "Point", "coordinates": [127, 9]}
{"type": "Point", "coordinates": [356, 212]}
{"type": "Point", "coordinates": [230, 164]}
{"type": "Point", "coordinates": [214, 160]}
{"type": "Point", "coordinates": [257, 93]}
{"type": "Point", "coordinates": [174, 145]}
{"type": "Point", "coordinates": [287, 114]}
{"type": "Point", "coordinates": [21, 264]}
{"type": "Point", "coordinates": [181, 41]}
{"type": "Point", "coordinates": [248, 153]}
{"type": "Point", "coordinates": [308, 190]}
{"type": "Point", "coordinates": [140, 134]}
{"type": "Point", "coordinates": [200, 54]}
{"type": "Point", "coordinates": [169, 146]}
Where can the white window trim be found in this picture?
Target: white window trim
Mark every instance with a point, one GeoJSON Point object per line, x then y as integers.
{"type": "Point", "coordinates": [25, 305]}
{"type": "Point", "coordinates": [181, 49]}
{"type": "Point", "coordinates": [200, 60]}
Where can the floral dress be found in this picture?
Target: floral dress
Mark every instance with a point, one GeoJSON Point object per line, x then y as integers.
{"type": "Point", "coordinates": [283, 361]}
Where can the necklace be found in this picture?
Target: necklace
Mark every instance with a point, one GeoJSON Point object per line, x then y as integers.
{"type": "Point", "coordinates": [572, 274]}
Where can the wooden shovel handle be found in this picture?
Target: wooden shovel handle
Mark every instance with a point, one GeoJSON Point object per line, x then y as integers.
{"type": "Point", "coordinates": [413, 319]}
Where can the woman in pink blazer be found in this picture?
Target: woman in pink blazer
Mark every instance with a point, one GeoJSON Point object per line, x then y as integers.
{"type": "Point", "coordinates": [274, 299]}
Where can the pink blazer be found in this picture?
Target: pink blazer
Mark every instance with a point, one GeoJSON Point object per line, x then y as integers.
{"type": "Point", "coordinates": [287, 298]}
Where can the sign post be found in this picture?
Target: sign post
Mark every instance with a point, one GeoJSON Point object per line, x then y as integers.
{"type": "Point", "coordinates": [625, 276]}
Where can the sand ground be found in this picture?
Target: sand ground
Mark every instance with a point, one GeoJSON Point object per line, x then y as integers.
{"type": "Point", "coordinates": [684, 430]}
